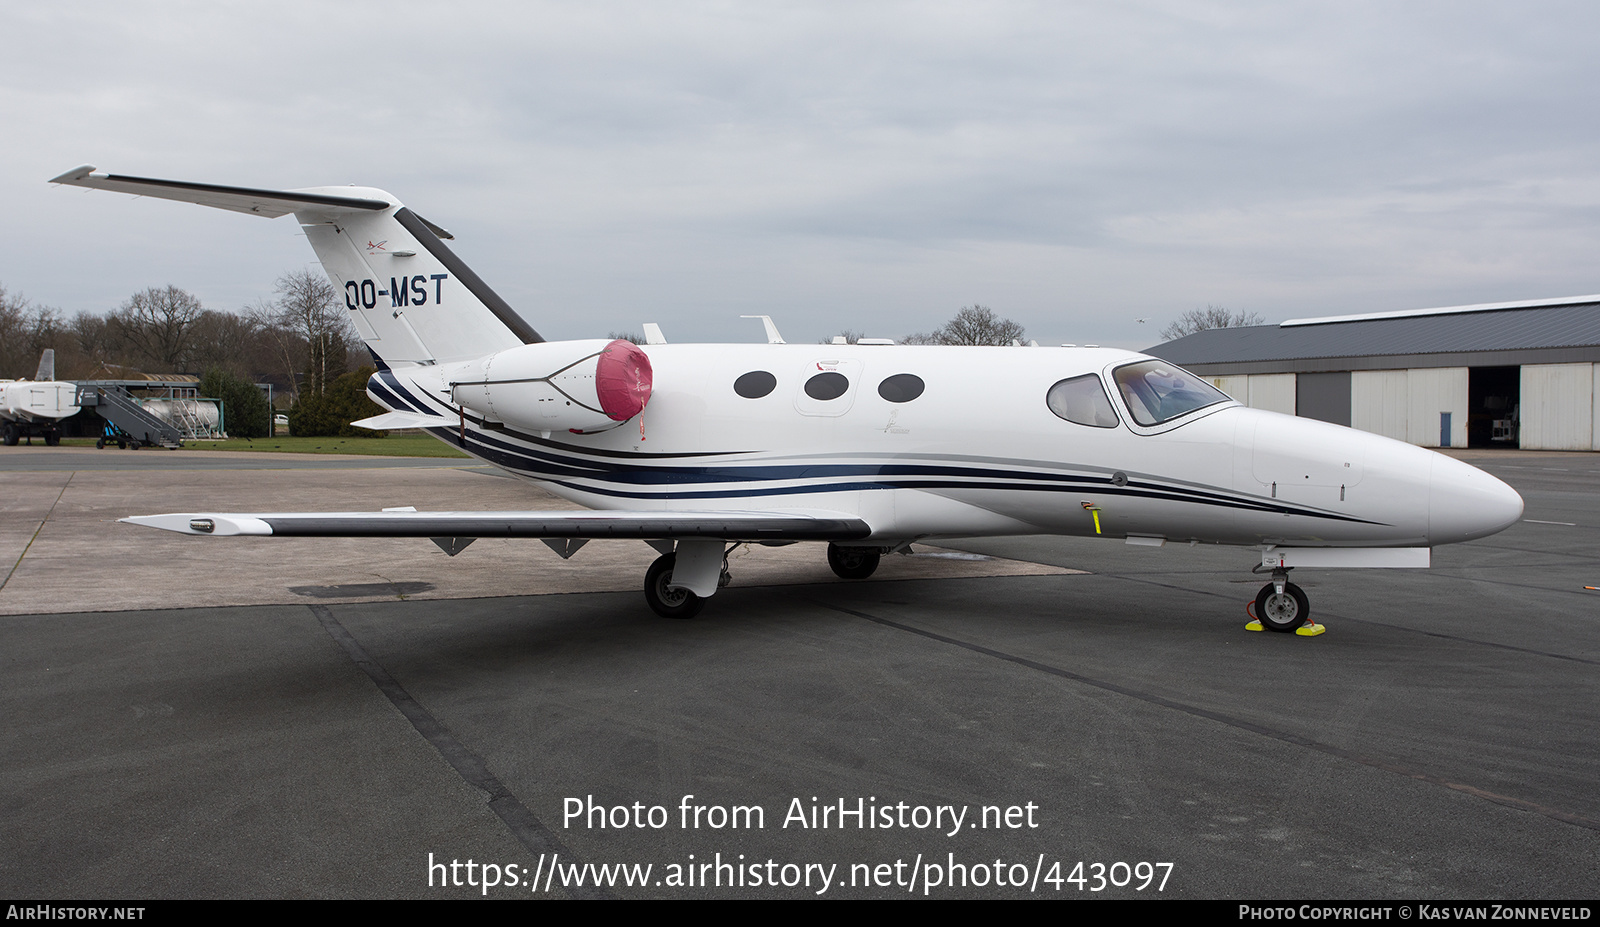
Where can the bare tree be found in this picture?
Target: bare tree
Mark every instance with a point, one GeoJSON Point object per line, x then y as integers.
{"type": "Point", "coordinates": [287, 349]}
{"type": "Point", "coordinates": [45, 328]}
{"type": "Point", "coordinates": [308, 307]}
{"type": "Point", "coordinates": [14, 318]}
{"type": "Point", "coordinates": [91, 344]}
{"type": "Point", "coordinates": [26, 329]}
{"type": "Point", "coordinates": [1199, 320]}
{"type": "Point", "coordinates": [228, 341]}
{"type": "Point", "coordinates": [158, 324]}
{"type": "Point", "coordinates": [972, 325]}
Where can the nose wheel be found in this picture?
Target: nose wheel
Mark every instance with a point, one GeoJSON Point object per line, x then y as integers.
{"type": "Point", "coordinates": [1284, 611]}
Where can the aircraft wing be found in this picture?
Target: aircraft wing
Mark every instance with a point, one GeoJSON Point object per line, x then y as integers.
{"type": "Point", "coordinates": [728, 526]}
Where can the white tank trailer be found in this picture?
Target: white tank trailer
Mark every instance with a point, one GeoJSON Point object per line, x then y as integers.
{"type": "Point", "coordinates": [32, 408]}
{"type": "Point", "coordinates": [196, 418]}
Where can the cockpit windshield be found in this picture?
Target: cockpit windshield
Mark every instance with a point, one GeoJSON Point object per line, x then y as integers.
{"type": "Point", "coordinates": [1157, 391]}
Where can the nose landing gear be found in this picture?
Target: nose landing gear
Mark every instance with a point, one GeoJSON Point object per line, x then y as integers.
{"type": "Point", "coordinates": [1282, 611]}
{"type": "Point", "coordinates": [1283, 607]}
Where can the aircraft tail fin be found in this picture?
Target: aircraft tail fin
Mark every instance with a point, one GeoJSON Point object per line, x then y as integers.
{"type": "Point", "coordinates": [409, 296]}
{"type": "Point", "coordinates": [47, 366]}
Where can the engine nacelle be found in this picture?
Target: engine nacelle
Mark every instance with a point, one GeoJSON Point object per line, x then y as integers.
{"type": "Point", "coordinates": [580, 386]}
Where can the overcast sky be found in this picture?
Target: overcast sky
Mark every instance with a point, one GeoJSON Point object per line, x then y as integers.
{"type": "Point", "coordinates": [873, 166]}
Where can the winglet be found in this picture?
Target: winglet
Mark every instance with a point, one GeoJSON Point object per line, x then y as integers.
{"type": "Point", "coordinates": [390, 421]}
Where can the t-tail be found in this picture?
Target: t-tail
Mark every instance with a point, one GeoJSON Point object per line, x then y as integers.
{"type": "Point", "coordinates": [410, 297]}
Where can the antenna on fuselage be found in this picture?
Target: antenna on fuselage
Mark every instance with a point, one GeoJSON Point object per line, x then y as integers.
{"type": "Point", "coordinates": [772, 330]}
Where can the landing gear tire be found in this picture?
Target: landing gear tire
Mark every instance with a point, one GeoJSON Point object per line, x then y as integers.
{"type": "Point", "coordinates": [52, 438]}
{"type": "Point", "coordinates": [10, 435]}
{"type": "Point", "coordinates": [853, 562]}
{"type": "Point", "coordinates": [1283, 613]}
{"type": "Point", "coordinates": [664, 601]}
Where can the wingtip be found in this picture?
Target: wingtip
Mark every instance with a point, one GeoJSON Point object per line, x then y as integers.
{"type": "Point", "coordinates": [202, 523]}
{"type": "Point", "coordinates": [76, 174]}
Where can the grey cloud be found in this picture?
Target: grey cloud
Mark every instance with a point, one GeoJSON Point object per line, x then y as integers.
{"type": "Point", "coordinates": [687, 158]}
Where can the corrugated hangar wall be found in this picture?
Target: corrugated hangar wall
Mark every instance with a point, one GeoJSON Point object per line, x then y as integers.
{"type": "Point", "coordinates": [1271, 391]}
{"type": "Point", "coordinates": [1437, 409]}
{"type": "Point", "coordinates": [1380, 402]}
{"type": "Point", "coordinates": [1559, 411]}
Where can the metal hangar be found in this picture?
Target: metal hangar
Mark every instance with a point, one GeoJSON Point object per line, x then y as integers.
{"type": "Point", "coordinates": [1516, 374]}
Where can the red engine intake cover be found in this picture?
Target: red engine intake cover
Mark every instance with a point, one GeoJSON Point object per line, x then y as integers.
{"type": "Point", "coordinates": [622, 379]}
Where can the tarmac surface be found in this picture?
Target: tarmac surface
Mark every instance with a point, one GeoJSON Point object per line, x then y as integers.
{"type": "Point", "coordinates": [245, 718]}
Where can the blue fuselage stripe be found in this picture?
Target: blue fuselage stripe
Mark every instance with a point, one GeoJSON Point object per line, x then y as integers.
{"type": "Point", "coordinates": [388, 377]}
{"type": "Point", "coordinates": [681, 482]}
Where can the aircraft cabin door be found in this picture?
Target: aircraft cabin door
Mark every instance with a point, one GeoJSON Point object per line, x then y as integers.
{"type": "Point", "coordinates": [828, 387]}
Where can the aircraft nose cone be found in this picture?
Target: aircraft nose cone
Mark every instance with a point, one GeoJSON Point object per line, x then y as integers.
{"type": "Point", "coordinates": [1465, 502]}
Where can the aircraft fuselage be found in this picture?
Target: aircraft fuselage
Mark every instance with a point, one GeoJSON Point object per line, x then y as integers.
{"type": "Point", "coordinates": [977, 451]}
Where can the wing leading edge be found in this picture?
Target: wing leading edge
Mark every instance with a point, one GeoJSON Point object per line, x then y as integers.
{"type": "Point", "coordinates": [268, 203]}
{"type": "Point", "coordinates": [727, 526]}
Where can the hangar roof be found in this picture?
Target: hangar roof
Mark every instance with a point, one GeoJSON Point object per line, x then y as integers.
{"type": "Point", "coordinates": [1543, 331]}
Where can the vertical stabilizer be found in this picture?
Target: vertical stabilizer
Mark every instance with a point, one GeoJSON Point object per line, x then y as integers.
{"type": "Point", "coordinates": [412, 300]}
{"type": "Point", "coordinates": [47, 366]}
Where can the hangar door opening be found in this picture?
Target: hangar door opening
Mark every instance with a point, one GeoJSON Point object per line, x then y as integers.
{"type": "Point", "coordinates": [1494, 399]}
{"type": "Point", "coordinates": [1323, 396]}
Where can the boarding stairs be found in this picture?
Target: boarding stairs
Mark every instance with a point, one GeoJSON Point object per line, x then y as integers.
{"type": "Point", "coordinates": [119, 407]}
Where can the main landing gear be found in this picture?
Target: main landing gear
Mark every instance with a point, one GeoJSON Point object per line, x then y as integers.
{"type": "Point", "coordinates": [678, 601]}
{"type": "Point", "coordinates": [853, 562]}
{"type": "Point", "coordinates": [671, 601]}
{"type": "Point", "coordinates": [666, 600]}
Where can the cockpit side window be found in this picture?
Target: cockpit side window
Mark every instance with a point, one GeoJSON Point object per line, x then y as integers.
{"type": "Point", "coordinates": [1157, 391]}
{"type": "Point", "coordinates": [1082, 401]}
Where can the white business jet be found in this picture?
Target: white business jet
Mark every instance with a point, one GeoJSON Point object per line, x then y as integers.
{"type": "Point", "coordinates": [868, 447]}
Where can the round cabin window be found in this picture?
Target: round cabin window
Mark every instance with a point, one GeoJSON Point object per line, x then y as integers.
{"type": "Point", "coordinates": [827, 385]}
{"type": "Point", "coordinates": [755, 384]}
{"type": "Point", "coordinates": [902, 387]}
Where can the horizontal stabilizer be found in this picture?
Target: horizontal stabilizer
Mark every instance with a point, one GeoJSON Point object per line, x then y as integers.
{"type": "Point", "coordinates": [389, 421]}
{"type": "Point", "coordinates": [269, 203]}
{"type": "Point", "coordinates": [728, 526]}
